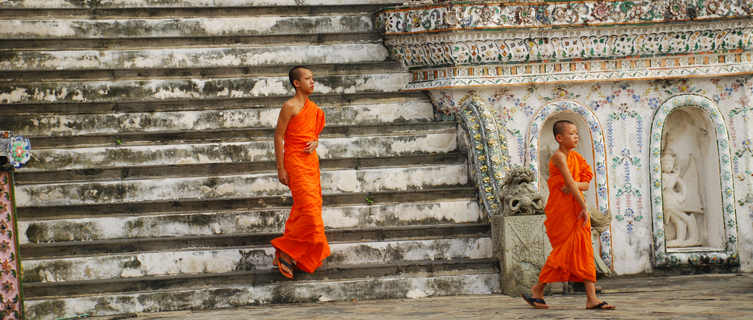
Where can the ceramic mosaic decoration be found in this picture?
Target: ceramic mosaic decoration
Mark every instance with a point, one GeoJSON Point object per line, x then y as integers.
{"type": "Point", "coordinates": [10, 266]}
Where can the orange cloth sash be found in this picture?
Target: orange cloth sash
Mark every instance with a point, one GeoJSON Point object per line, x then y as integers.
{"type": "Point", "coordinates": [304, 239]}
{"type": "Point", "coordinates": [572, 256]}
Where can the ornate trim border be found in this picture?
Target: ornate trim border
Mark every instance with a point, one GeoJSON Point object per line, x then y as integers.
{"type": "Point", "coordinates": [599, 154]}
{"type": "Point", "coordinates": [496, 15]}
{"type": "Point", "coordinates": [519, 46]}
{"type": "Point", "coordinates": [490, 155]}
{"type": "Point", "coordinates": [685, 66]}
{"type": "Point", "coordinates": [661, 256]}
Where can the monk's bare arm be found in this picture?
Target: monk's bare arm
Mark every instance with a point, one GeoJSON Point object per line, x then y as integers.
{"type": "Point", "coordinates": [582, 186]}
{"type": "Point", "coordinates": [286, 113]}
{"type": "Point", "coordinates": [560, 161]}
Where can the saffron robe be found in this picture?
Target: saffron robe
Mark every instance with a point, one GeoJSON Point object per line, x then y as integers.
{"type": "Point", "coordinates": [572, 256]}
{"type": "Point", "coordinates": [304, 239]}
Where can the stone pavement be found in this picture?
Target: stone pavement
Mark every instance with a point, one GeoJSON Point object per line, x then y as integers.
{"type": "Point", "coordinates": [716, 296]}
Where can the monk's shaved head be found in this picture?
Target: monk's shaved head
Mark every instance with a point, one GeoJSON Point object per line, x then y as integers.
{"type": "Point", "coordinates": [560, 125]}
{"type": "Point", "coordinates": [295, 74]}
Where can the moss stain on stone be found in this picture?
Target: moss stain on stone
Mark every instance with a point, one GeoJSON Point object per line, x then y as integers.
{"type": "Point", "coordinates": [134, 263]}
{"type": "Point", "coordinates": [53, 308]}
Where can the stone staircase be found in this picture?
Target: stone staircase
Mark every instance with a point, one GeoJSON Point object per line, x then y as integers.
{"type": "Point", "coordinates": [153, 183]}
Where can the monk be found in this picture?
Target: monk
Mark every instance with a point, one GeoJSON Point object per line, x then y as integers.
{"type": "Point", "coordinates": [568, 225]}
{"type": "Point", "coordinates": [303, 245]}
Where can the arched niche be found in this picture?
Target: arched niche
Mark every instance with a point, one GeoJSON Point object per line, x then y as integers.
{"type": "Point", "coordinates": [540, 144]}
{"type": "Point", "coordinates": [548, 145]}
{"type": "Point", "coordinates": [691, 184]}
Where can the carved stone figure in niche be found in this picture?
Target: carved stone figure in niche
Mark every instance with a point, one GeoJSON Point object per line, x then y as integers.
{"type": "Point", "coordinates": [680, 224]}
{"type": "Point", "coordinates": [518, 195]}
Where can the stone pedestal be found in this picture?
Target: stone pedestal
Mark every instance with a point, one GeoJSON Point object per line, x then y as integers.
{"type": "Point", "coordinates": [521, 245]}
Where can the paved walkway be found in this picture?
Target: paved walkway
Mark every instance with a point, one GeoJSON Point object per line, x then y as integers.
{"type": "Point", "coordinates": [726, 296]}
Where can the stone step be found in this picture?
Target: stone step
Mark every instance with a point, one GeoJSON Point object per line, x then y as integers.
{"type": "Point", "coordinates": [191, 89]}
{"type": "Point", "coordinates": [239, 186]}
{"type": "Point", "coordinates": [165, 243]}
{"type": "Point", "coordinates": [222, 169]}
{"type": "Point", "coordinates": [244, 221]}
{"type": "Point", "coordinates": [434, 142]}
{"type": "Point", "coordinates": [251, 288]}
{"type": "Point", "coordinates": [246, 258]}
{"type": "Point", "coordinates": [258, 277]}
{"type": "Point", "coordinates": [181, 12]}
{"type": "Point", "coordinates": [13, 45]}
{"type": "Point", "coordinates": [167, 206]}
{"type": "Point", "coordinates": [194, 73]}
{"type": "Point", "coordinates": [340, 113]}
{"type": "Point", "coordinates": [182, 27]}
{"type": "Point", "coordinates": [192, 4]}
{"type": "Point", "coordinates": [228, 135]}
{"type": "Point", "coordinates": [194, 58]}
{"type": "Point", "coordinates": [22, 112]}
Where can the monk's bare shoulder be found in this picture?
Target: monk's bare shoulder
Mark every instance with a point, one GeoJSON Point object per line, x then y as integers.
{"type": "Point", "coordinates": [559, 157]}
{"type": "Point", "coordinates": [291, 107]}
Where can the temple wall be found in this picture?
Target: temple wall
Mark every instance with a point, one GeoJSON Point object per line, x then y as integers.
{"type": "Point", "coordinates": [625, 111]}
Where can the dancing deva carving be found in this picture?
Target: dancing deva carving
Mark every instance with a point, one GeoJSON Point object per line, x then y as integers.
{"type": "Point", "coordinates": [519, 195]}
{"type": "Point", "coordinates": [680, 221]}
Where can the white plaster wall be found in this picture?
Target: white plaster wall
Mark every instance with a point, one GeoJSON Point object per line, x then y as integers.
{"type": "Point", "coordinates": [625, 111]}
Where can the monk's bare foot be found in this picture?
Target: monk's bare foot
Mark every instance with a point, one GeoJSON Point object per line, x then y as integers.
{"type": "Point", "coordinates": [285, 265]}
{"type": "Point", "coordinates": [538, 290]}
{"type": "Point", "coordinates": [603, 305]}
{"type": "Point", "coordinates": [537, 300]}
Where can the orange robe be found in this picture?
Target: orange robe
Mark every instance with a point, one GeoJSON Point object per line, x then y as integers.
{"type": "Point", "coordinates": [304, 239]}
{"type": "Point", "coordinates": [572, 256]}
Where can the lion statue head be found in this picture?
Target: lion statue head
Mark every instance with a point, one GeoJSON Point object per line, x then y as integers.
{"type": "Point", "coordinates": [519, 196]}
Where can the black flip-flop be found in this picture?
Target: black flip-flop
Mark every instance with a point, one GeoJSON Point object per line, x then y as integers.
{"type": "Point", "coordinates": [533, 301]}
{"type": "Point", "coordinates": [601, 306]}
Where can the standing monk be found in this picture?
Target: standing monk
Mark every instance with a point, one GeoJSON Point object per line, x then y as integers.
{"type": "Point", "coordinates": [303, 244]}
{"type": "Point", "coordinates": [567, 222]}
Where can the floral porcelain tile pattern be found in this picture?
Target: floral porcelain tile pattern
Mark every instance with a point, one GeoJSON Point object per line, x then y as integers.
{"type": "Point", "coordinates": [10, 282]}
{"type": "Point", "coordinates": [472, 48]}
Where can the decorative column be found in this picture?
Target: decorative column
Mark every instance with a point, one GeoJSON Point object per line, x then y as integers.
{"type": "Point", "coordinates": [15, 151]}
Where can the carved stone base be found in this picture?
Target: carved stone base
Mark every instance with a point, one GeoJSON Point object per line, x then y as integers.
{"type": "Point", "coordinates": [521, 245]}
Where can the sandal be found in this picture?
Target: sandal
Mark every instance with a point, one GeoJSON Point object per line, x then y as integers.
{"type": "Point", "coordinates": [602, 306]}
{"type": "Point", "coordinates": [285, 267]}
{"type": "Point", "coordinates": [533, 302]}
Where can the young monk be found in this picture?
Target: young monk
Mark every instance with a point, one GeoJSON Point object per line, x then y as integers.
{"type": "Point", "coordinates": [567, 222]}
{"type": "Point", "coordinates": [303, 244]}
